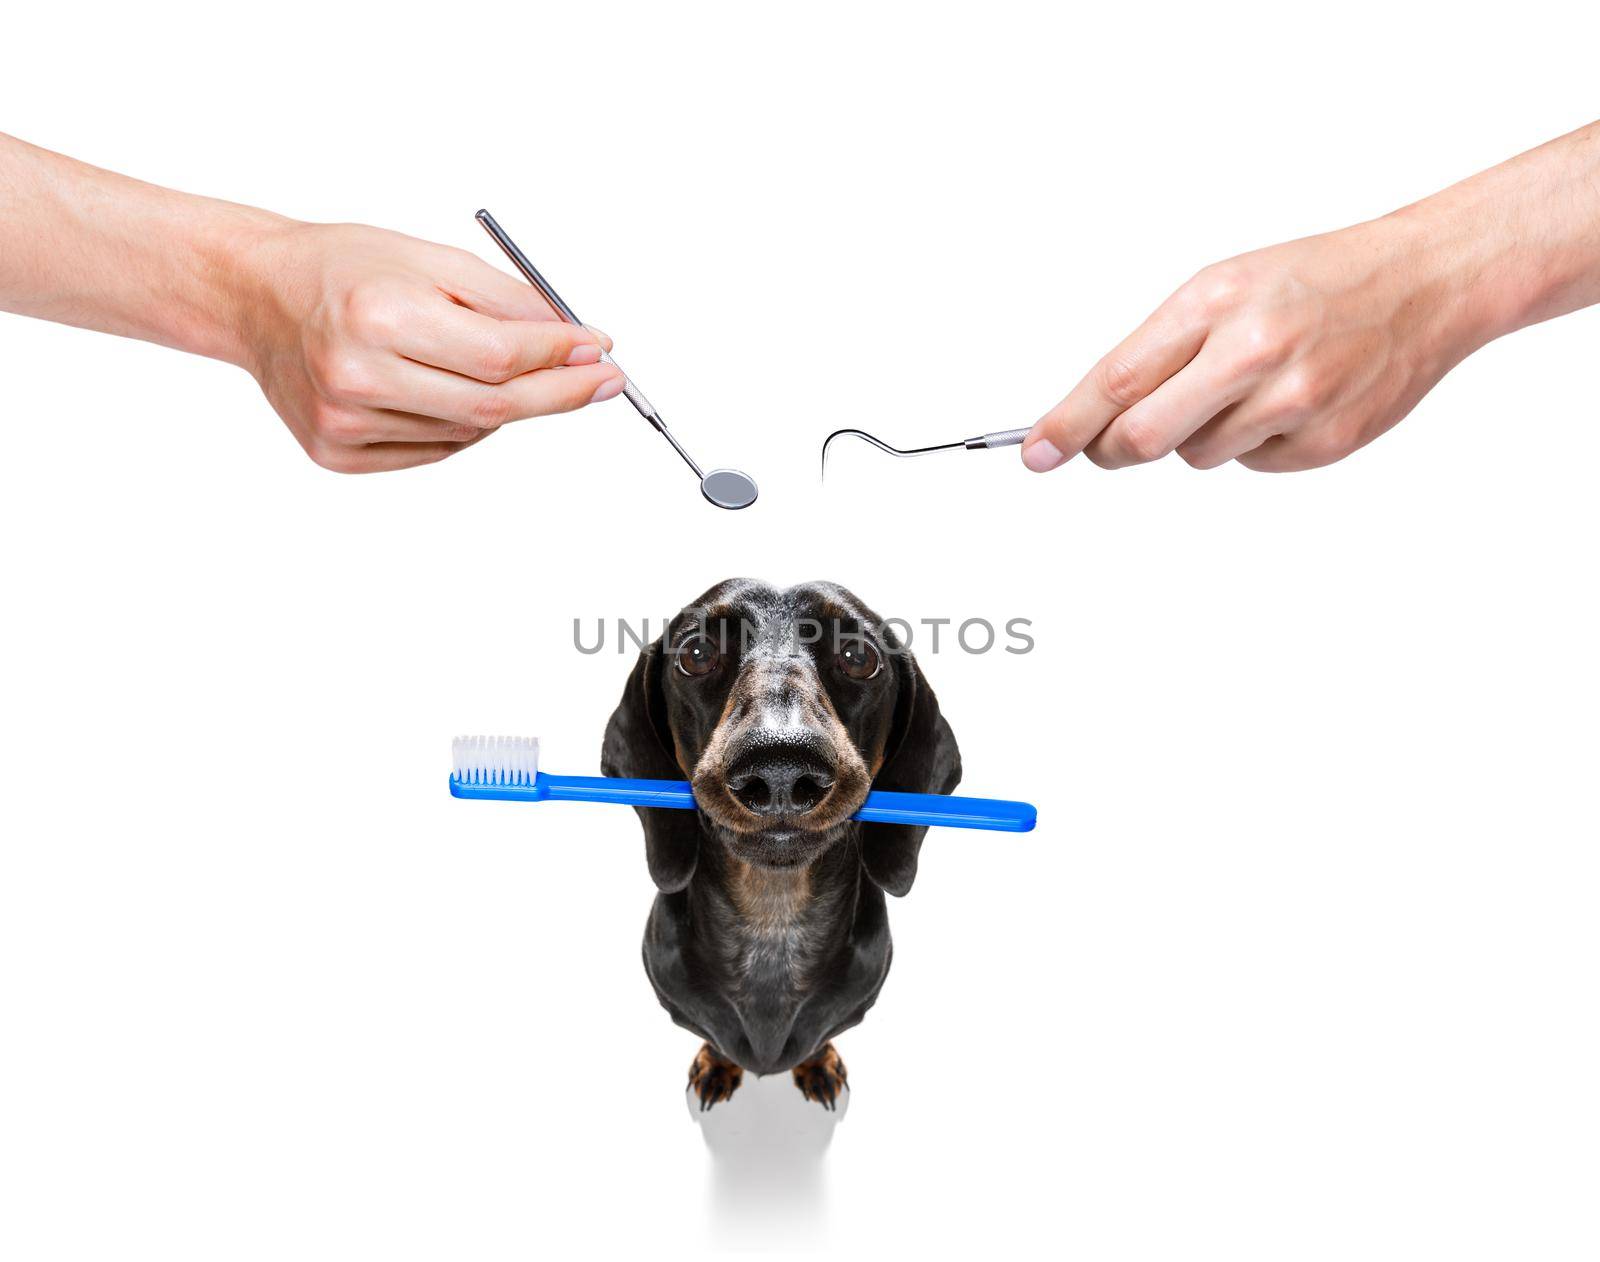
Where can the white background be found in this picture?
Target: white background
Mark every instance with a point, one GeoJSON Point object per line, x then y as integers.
{"type": "Point", "coordinates": [1301, 961]}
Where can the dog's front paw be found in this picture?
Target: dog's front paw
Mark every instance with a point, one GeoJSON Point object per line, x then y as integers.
{"type": "Point", "coordinates": [712, 1078]}
{"type": "Point", "coordinates": [822, 1077]}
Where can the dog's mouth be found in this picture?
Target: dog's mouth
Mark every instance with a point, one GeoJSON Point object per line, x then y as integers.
{"type": "Point", "coordinates": [777, 845]}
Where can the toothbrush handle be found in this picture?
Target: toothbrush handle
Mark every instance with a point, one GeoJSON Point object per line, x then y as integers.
{"type": "Point", "coordinates": [939, 810]}
{"type": "Point", "coordinates": [999, 438]}
{"type": "Point", "coordinates": [881, 807]}
{"type": "Point", "coordinates": [675, 794]}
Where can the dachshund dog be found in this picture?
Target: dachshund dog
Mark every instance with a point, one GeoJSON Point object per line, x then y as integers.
{"type": "Point", "coordinates": [770, 933]}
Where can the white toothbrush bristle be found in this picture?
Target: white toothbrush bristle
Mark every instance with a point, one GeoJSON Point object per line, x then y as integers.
{"type": "Point", "coordinates": [495, 759]}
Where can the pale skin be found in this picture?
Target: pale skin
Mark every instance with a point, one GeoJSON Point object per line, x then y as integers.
{"type": "Point", "coordinates": [378, 350]}
{"type": "Point", "coordinates": [1295, 356]}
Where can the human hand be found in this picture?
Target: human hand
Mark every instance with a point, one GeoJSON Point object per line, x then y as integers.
{"type": "Point", "coordinates": [1283, 359]}
{"type": "Point", "coordinates": [380, 351]}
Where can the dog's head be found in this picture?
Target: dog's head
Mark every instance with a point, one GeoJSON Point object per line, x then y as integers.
{"type": "Point", "coordinates": [783, 709]}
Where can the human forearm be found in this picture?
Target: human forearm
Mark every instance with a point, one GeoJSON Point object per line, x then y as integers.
{"type": "Point", "coordinates": [1523, 238]}
{"type": "Point", "coordinates": [95, 249]}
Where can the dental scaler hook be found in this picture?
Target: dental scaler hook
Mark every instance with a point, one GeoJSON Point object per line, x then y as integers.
{"type": "Point", "coordinates": [999, 438]}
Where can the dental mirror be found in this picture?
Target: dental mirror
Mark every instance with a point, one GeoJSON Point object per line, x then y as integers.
{"type": "Point", "coordinates": [726, 488]}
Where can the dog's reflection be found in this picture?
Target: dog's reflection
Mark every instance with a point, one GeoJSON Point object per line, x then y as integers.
{"type": "Point", "coordinates": [768, 1147]}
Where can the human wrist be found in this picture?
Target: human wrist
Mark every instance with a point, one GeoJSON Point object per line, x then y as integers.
{"type": "Point", "coordinates": [1411, 273]}
{"type": "Point", "coordinates": [229, 252]}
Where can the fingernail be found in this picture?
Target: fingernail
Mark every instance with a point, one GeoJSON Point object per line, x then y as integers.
{"type": "Point", "coordinates": [609, 389]}
{"type": "Point", "coordinates": [588, 353]}
{"type": "Point", "coordinates": [1042, 456]}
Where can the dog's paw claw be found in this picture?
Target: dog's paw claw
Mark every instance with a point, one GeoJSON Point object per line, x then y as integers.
{"type": "Point", "coordinates": [713, 1079]}
{"type": "Point", "coordinates": [822, 1078]}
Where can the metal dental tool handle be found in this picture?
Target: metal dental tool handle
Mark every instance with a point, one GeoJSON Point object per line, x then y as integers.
{"type": "Point", "coordinates": [630, 391]}
{"type": "Point", "coordinates": [1000, 438]}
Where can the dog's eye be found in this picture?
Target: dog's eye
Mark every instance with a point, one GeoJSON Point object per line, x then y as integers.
{"type": "Point", "coordinates": [859, 660]}
{"type": "Point", "coordinates": [698, 656]}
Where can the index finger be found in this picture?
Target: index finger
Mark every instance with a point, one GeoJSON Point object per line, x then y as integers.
{"type": "Point", "coordinates": [484, 287]}
{"type": "Point", "coordinates": [475, 345]}
{"type": "Point", "coordinates": [1152, 353]}
{"type": "Point", "coordinates": [472, 283]}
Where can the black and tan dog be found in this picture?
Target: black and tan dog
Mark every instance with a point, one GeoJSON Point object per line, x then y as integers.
{"type": "Point", "coordinates": [770, 934]}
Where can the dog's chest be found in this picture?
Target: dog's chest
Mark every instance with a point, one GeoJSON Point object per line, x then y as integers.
{"type": "Point", "coordinates": [769, 941]}
{"type": "Point", "coordinates": [778, 928]}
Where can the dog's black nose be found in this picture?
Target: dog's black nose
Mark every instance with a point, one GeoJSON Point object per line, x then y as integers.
{"type": "Point", "coordinates": [780, 785]}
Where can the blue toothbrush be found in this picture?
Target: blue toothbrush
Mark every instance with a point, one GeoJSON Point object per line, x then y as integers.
{"type": "Point", "coordinates": [506, 769]}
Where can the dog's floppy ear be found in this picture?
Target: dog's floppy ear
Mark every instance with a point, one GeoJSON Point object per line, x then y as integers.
{"type": "Point", "coordinates": [639, 746]}
{"type": "Point", "coordinates": [920, 757]}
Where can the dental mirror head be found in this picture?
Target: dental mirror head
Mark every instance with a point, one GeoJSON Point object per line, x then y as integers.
{"type": "Point", "coordinates": [728, 488]}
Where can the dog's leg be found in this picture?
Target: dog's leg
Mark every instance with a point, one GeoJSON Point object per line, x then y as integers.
{"type": "Point", "coordinates": [713, 1077]}
{"type": "Point", "coordinates": [822, 1077]}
